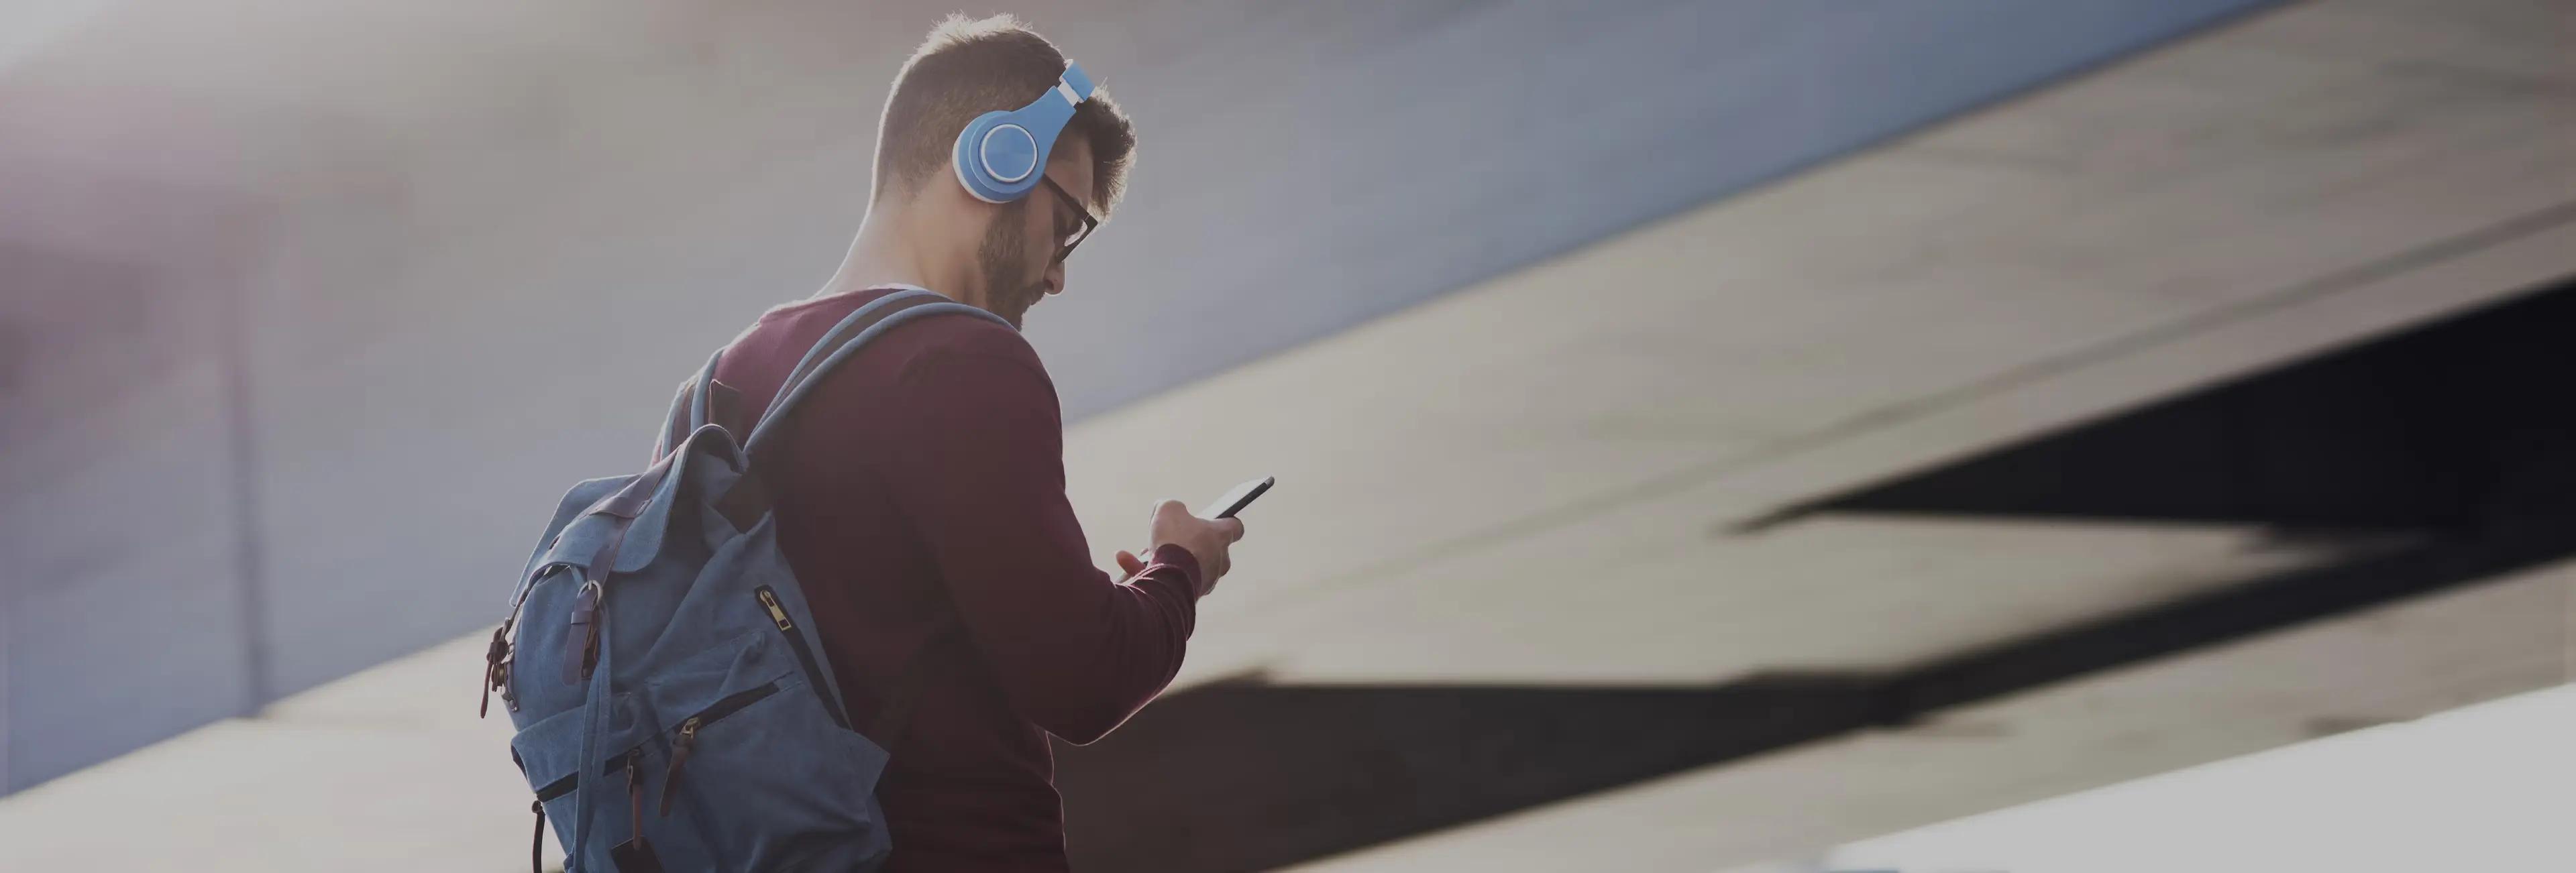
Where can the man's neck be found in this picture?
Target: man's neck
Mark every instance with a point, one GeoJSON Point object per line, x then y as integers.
{"type": "Point", "coordinates": [883, 255]}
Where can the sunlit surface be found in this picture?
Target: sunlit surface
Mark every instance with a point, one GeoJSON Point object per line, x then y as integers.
{"type": "Point", "coordinates": [2486, 787]}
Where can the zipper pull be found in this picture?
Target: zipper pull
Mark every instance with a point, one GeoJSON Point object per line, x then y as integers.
{"type": "Point", "coordinates": [680, 747]}
{"type": "Point", "coordinates": [777, 613]}
{"type": "Point", "coordinates": [635, 798]}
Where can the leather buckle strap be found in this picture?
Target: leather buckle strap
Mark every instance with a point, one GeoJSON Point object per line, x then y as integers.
{"type": "Point", "coordinates": [496, 658]}
{"type": "Point", "coordinates": [622, 508]}
{"type": "Point", "coordinates": [537, 844]}
{"type": "Point", "coordinates": [584, 638]}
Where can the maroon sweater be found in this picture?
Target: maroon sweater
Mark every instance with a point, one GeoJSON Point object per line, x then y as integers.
{"type": "Point", "coordinates": [922, 483]}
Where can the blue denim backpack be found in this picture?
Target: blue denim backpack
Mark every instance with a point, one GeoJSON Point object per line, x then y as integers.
{"type": "Point", "coordinates": [672, 702]}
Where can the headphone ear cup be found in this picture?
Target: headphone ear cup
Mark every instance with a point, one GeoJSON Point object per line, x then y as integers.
{"type": "Point", "coordinates": [997, 159]}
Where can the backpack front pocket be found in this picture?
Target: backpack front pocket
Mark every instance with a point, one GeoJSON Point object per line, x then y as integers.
{"type": "Point", "coordinates": [549, 754]}
{"type": "Point", "coordinates": [755, 766]}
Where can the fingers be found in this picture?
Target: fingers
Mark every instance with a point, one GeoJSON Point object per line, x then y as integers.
{"type": "Point", "coordinates": [1129, 563]}
{"type": "Point", "coordinates": [1207, 539]}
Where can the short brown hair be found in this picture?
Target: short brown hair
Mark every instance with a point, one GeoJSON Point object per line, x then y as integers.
{"type": "Point", "coordinates": [971, 66]}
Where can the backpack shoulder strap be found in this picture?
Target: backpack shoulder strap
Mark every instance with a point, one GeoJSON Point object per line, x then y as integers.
{"type": "Point", "coordinates": [849, 326]}
{"type": "Point", "coordinates": [843, 340]}
{"type": "Point", "coordinates": [689, 410]}
{"type": "Point", "coordinates": [749, 498]}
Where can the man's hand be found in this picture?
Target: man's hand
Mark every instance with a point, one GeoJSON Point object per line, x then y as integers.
{"type": "Point", "coordinates": [1206, 539]}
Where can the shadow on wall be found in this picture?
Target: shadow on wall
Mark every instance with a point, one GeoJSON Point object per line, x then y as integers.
{"type": "Point", "coordinates": [2438, 456]}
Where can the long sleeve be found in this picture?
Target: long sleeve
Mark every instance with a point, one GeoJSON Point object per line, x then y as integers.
{"type": "Point", "coordinates": [979, 471]}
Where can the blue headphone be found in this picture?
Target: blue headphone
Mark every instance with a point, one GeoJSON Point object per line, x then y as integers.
{"type": "Point", "coordinates": [1000, 156]}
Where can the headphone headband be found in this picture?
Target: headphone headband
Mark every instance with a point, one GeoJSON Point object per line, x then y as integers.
{"type": "Point", "coordinates": [1000, 156]}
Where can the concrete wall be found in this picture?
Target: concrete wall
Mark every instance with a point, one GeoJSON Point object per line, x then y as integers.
{"type": "Point", "coordinates": [469, 295]}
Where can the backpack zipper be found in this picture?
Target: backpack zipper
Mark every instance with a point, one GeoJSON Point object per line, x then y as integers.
{"type": "Point", "coordinates": [564, 784]}
{"type": "Point", "coordinates": [804, 653]}
{"type": "Point", "coordinates": [686, 738]}
{"type": "Point", "coordinates": [804, 659]}
{"type": "Point", "coordinates": [687, 732]}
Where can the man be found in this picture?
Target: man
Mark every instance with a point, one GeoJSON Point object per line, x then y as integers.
{"type": "Point", "coordinates": [922, 499]}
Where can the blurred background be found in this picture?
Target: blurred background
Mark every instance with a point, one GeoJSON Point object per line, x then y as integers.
{"type": "Point", "coordinates": [1986, 435]}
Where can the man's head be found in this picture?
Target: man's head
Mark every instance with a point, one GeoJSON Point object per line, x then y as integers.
{"type": "Point", "coordinates": [968, 67]}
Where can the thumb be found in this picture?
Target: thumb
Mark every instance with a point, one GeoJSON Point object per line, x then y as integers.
{"type": "Point", "coordinates": [1129, 563]}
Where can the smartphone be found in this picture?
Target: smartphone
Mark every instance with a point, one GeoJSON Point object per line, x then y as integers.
{"type": "Point", "coordinates": [1234, 501]}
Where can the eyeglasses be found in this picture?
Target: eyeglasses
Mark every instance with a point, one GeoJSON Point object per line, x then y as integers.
{"type": "Point", "coordinates": [1067, 238]}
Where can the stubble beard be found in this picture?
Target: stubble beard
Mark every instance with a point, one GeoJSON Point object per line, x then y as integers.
{"type": "Point", "coordinates": [1002, 258]}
